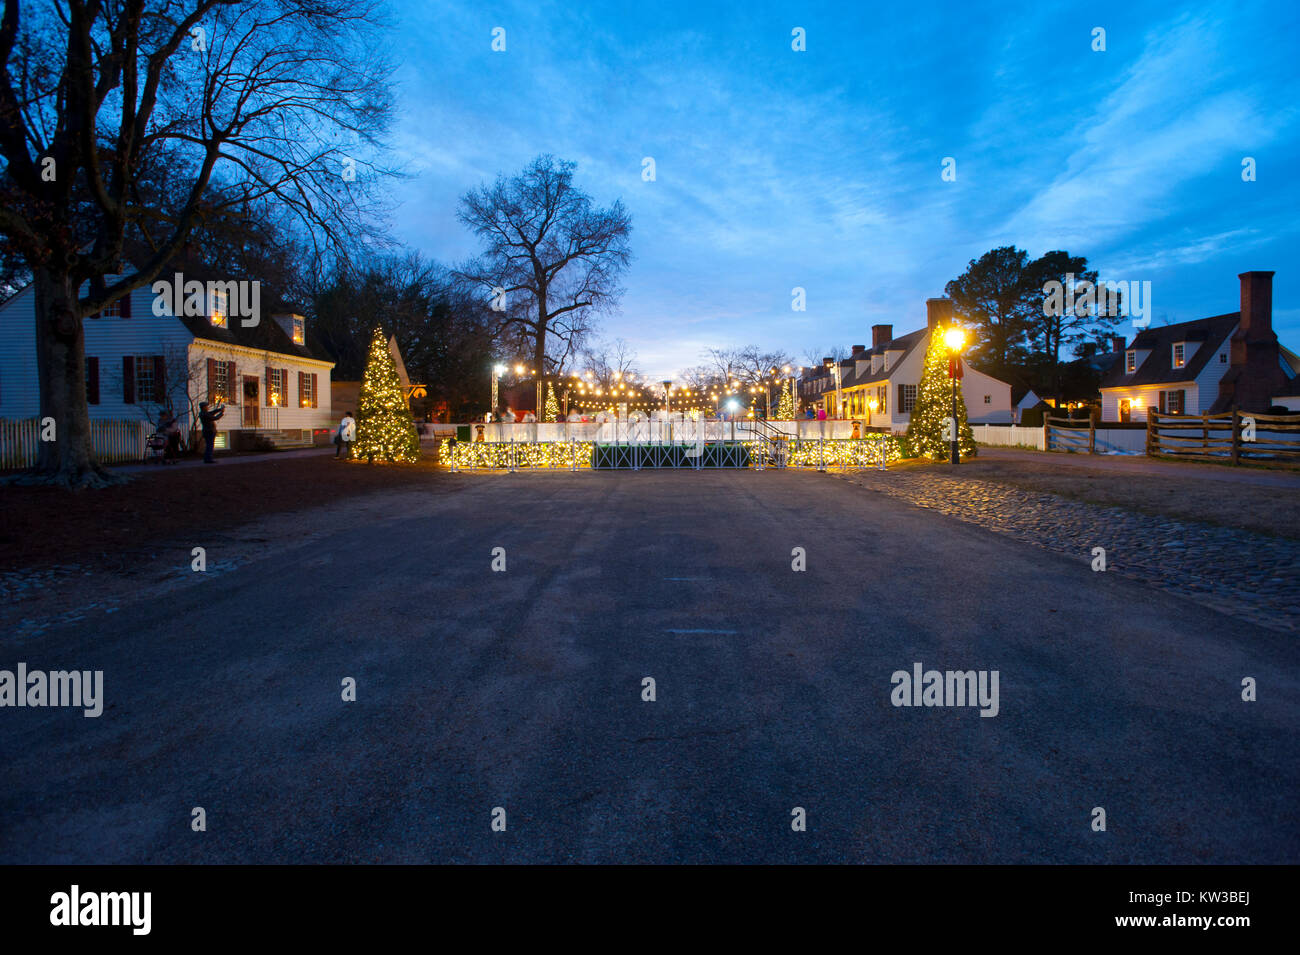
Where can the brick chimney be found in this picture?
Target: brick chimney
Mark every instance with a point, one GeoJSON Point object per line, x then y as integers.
{"type": "Point", "coordinates": [1254, 375]}
{"type": "Point", "coordinates": [1116, 343]}
{"type": "Point", "coordinates": [938, 311]}
{"type": "Point", "coordinates": [858, 350]}
{"type": "Point", "coordinates": [880, 334]}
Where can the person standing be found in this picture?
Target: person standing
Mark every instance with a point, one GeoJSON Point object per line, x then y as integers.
{"type": "Point", "coordinates": [208, 418]}
{"type": "Point", "coordinates": [170, 429]}
{"type": "Point", "coordinates": [347, 434]}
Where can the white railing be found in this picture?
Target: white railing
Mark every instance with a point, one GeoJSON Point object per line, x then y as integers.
{"type": "Point", "coordinates": [114, 441]}
{"type": "Point", "coordinates": [661, 431]}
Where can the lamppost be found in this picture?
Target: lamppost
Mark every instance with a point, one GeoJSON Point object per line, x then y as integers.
{"type": "Point", "coordinates": [497, 371]}
{"type": "Point", "coordinates": [955, 339]}
{"type": "Point", "coordinates": [668, 395]}
{"type": "Point", "coordinates": [833, 365]}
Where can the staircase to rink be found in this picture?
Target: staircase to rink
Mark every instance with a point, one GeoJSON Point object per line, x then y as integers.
{"type": "Point", "coordinates": [672, 442]}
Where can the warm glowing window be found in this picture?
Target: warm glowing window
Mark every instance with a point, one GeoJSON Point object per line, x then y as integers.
{"type": "Point", "coordinates": [276, 395]}
{"type": "Point", "coordinates": [299, 336]}
{"type": "Point", "coordinates": [308, 397]}
{"type": "Point", "coordinates": [217, 308]}
{"type": "Point", "coordinates": [220, 381]}
{"type": "Point", "coordinates": [1179, 353]}
{"type": "Point", "coordinates": [1130, 362]}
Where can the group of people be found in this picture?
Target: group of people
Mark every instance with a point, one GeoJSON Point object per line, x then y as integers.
{"type": "Point", "coordinates": [169, 427]}
{"type": "Point", "coordinates": [209, 415]}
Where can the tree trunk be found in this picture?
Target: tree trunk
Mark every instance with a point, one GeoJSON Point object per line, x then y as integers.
{"type": "Point", "coordinates": [539, 354]}
{"type": "Point", "coordinates": [68, 460]}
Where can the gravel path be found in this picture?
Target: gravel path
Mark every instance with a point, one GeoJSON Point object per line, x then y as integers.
{"type": "Point", "coordinates": [1252, 576]}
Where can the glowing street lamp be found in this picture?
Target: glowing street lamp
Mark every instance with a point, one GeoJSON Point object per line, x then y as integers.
{"type": "Point", "coordinates": [955, 340]}
{"type": "Point", "coordinates": [497, 371]}
{"type": "Point", "coordinates": [833, 365]}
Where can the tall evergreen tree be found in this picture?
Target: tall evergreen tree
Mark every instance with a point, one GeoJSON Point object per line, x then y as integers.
{"type": "Point", "coordinates": [927, 432]}
{"type": "Point", "coordinates": [552, 406]}
{"type": "Point", "coordinates": [785, 407]}
{"type": "Point", "coordinates": [385, 428]}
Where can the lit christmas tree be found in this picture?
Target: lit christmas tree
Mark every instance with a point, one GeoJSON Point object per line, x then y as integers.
{"type": "Point", "coordinates": [384, 426]}
{"type": "Point", "coordinates": [927, 433]}
{"type": "Point", "coordinates": [552, 406]}
{"type": "Point", "coordinates": [785, 407]}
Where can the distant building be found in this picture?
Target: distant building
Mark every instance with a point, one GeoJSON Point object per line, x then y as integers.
{"type": "Point", "coordinates": [890, 371]}
{"type": "Point", "coordinates": [1206, 365]}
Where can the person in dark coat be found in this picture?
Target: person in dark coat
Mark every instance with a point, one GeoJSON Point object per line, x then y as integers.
{"type": "Point", "coordinates": [171, 429]}
{"type": "Point", "coordinates": [208, 418]}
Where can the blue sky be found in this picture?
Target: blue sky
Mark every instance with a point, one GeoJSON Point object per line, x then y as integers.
{"type": "Point", "coordinates": [821, 169]}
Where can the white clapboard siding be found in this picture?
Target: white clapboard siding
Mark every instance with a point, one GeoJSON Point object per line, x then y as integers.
{"type": "Point", "coordinates": [115, 442]}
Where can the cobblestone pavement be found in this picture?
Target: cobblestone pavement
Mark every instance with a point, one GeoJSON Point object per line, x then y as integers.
{"type": "Point", "coordinates": [1249, 575]}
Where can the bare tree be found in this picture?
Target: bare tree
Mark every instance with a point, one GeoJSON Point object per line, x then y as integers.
{"type": "Point", "coordinates": [551, 254]}
{"type": "Point", "coordinates": [137, 120]}
{"type": "Point", "coordinates": [611, 362]}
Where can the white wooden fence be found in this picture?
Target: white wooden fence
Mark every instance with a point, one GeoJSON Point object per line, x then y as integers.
{"type": "Point", "coordinates": [114, 441]}
{"type": "Point", "coordinates": [1008, 436]}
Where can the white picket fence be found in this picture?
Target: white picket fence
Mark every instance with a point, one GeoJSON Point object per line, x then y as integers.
{"type": "Point", "coordinates": [114, 441]}
{"type": "Point", "coordinates": [1008, 436]}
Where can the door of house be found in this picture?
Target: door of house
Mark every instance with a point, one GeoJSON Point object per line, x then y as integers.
{"type": "Point", "coordinates": [1125, 410]}
{"type": "Point", "coordinates": [251, 402]}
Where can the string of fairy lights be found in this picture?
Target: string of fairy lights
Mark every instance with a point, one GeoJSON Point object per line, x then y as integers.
{"type": "Point", "coordinates": [587, 393]}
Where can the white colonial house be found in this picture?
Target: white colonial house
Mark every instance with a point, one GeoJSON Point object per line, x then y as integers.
{"type": "Point", "coordinates": [1207, 365]}
{"type": "Point", "coordinates": [273, 379]}
{"type": "Point", "coordinates": [890, 371]}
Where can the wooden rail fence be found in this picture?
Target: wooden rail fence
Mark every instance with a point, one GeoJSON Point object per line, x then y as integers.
{"type": "Point", "coordinates": [1069, 434]}
{"type": "Point", "coordinates": [1231, 436]}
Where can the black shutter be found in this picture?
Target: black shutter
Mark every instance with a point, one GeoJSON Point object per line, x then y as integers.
{"type": "Point", "coordinates": [92, 380]}
{"type": "Point", "coordinates": [125, 303]}
{"type": "Point", "coordinates": [128, 379]}
{"type": "Point", "coordinates": [159, 380]}
{"type": "Point", "coordinates": [1162, 402]}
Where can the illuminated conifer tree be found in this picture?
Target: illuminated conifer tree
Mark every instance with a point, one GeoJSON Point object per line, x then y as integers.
{"type": "Point", "coordinates": [552, 406]}
{"type": "Point", "coordinates": [785, 407]}
{"type": "Point", "coordinates": [384, 425]}
{"type": "Point", "coordinates": [927, 432]}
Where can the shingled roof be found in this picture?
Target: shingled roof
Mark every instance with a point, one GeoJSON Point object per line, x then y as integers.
{"type": "Point", "coordinates": [905, 343]}
{"type": "Point", "coordinates": [1158, 368]}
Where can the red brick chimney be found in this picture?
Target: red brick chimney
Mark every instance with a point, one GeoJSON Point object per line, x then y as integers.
{"type": "Point", "coordinates": [1116, 343]}
{"type": "Point", "coordinates": [938, 311]}
{"type": "Point", "coordinates": [858, 350]}
{"type": "Point", "coordinates": [1254, 375]}
{"type": "Point", "coordinates": [880, 334]}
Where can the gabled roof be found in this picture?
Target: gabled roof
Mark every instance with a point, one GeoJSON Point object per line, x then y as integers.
{"type": "Point", "coordinates": [904, 343]}
{"type": "Point", "coordinates": [266, 335]}
{"type": "Point", "coordinates": [1158, 368]}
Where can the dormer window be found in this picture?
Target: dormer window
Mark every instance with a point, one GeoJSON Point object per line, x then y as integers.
{"type": "Point", "coordinates": [1223, 358]}
{"type": "Point", "coordinates": [298, 334]}
{"type": "Point", "coordinates": [1180, 355]}
{"type": "Point", "coordinates": [1130, 362]}
{"type": "Point", "coordinates": [217, 308]}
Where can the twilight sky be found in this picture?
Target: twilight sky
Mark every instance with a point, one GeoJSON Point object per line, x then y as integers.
{"type": "Point", "coordinates": [821, 169]}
